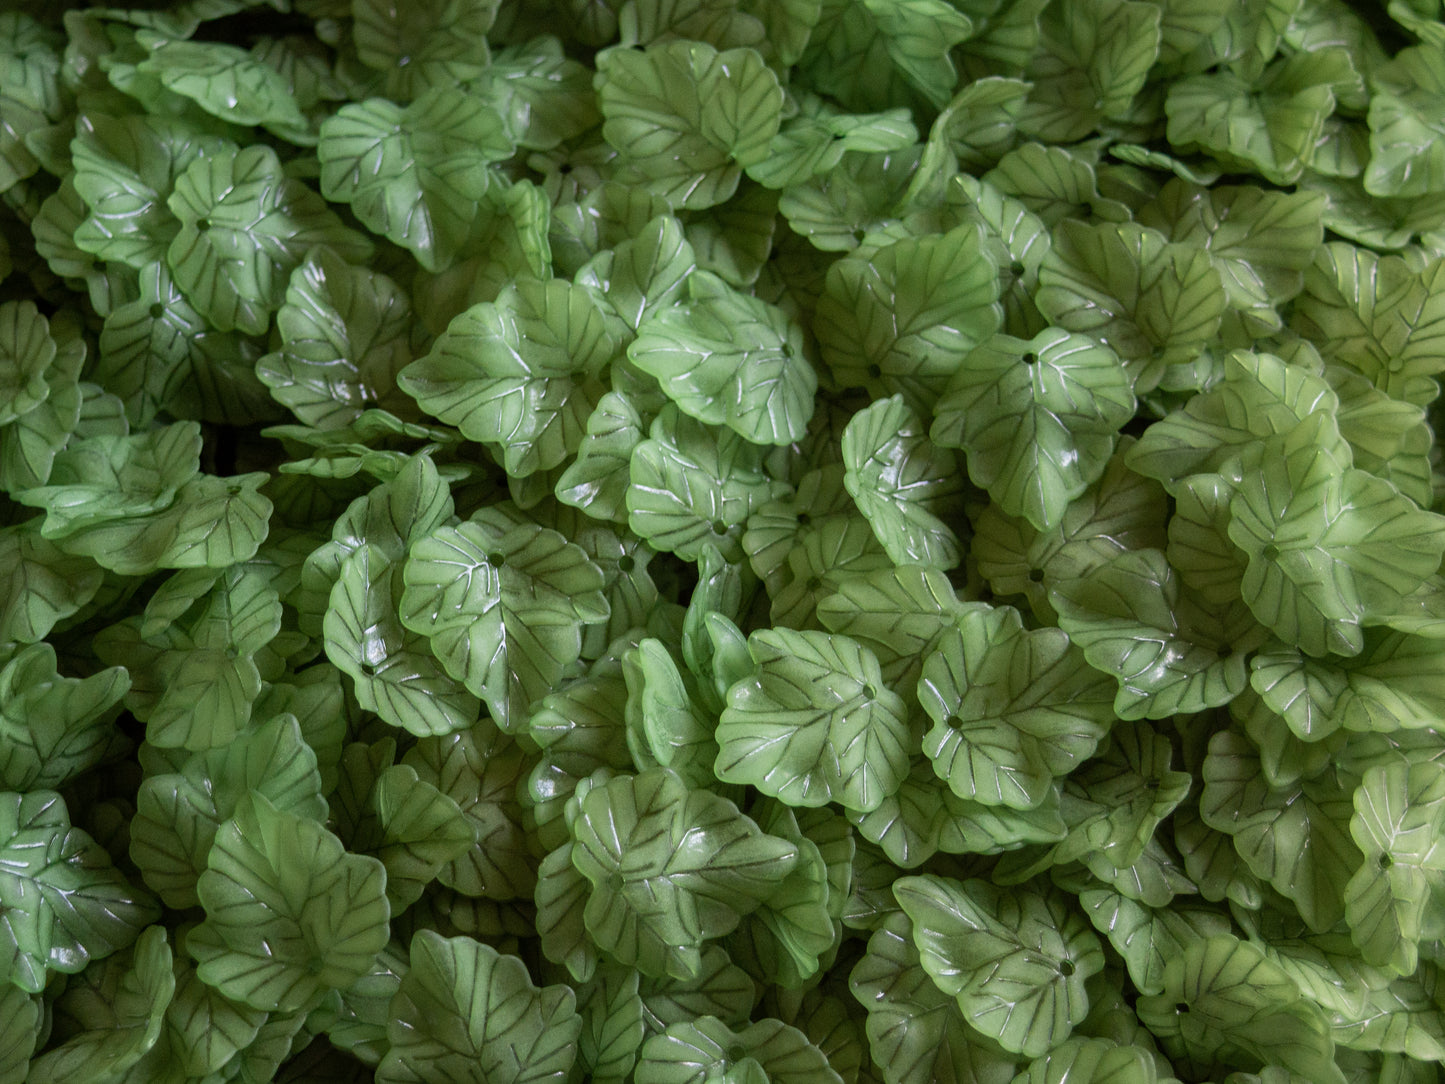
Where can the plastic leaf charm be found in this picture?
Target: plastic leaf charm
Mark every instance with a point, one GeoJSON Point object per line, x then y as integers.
{"type": "Point", "coordinates": [767, 1050]}
{"type": "Point", "coordinates": [428, 42]}
{"type": "Point", "coordinates": [521, 373]}
{"type": "Point", "coordinates": [1296, 837]}
{"type": "Point", "coordinates": [917, 1034]}
{"type": "Point", "coordinates": [688, 119]}
{"type": "Point", "coordinates": [53, 727]}
{"type": "Point", "coordinates": [669, 868]}
{"type": "Point", "coordinates": [226, 82]}
{"type": "Point", "coordinates": [344, 339]}
{"type": "Point", "coordinates": [394, 670]}
{"type": "Point", "coordinates": [503, 606]}
{"type": "Point", "coordinates": [467, 1014]}
{"type": "Point", "coordinates": [1015, 961]}
{"type": "Point", "coordinates": [26, 352]}
{"type": "Point", "coordinates": [289, 914]}
{"type": "Point", "coordinates": [691, 486]}
{"type": "Point", "coordinates": [1377, 315]}
{"type": "Point", "coordinates": [729, 359]}
{"type": "Point", "coordinates": [814, 724]}
{"type": "Point", "coordinates": [65, 904]}
{"type": "Point", "coordinates": [1152, 302]}
{"type": "Point", "coordinates": [1328, 545]}
{"type": "Point", "coordinates": [902, 484]}
{"type": "Point", "coordinates": [136, 996]}
{"type": "Point", "coordinates": [1270, 126]}
{"type": "Point", "coordinates": [903, 319]}
{"type": "Point", "coordinates": [1038, 419]}
{"type": "Point", "coordinates": [1399, 816]}
{"type": "Point", "coordinates": [1405, 155]}
{"type": "Point", "coordinates": [1225, 1005]}
{"type": "Point", "coordinates": [245, 226]}
{"type": "Point", "coordinates": [178, 812]}
{"type": "Point", "coordinates": [1170, 653]}
{"type": "Point", "coordinates": [125, 168]}
{"type": "Point", "coordinates": [416, 175]}
{"type": "Point", "coordinates": [1011, 709]}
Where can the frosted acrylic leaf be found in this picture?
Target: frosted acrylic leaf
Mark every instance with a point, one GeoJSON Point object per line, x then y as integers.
{"type": "Point", "coordinates": [766, 1050]}
{"type": "Point", "coordinates": [645, 273]}
{"type": "Point", "coordinates": [596, 482]}
{"type": "Point", "coordinates": [521, 373]}
{"type": "Point", "coordinates": [729, 359]}
{"type": "Point", "coordinates": [30, 444]}
{"type": "Point", "coordinates": [900, 614]}
{"type": "Point", "coordinates": [394, 671]}
{"type": "Point", "coordinates": [125, 168]}
{"type": "Point", "coordinates": [545, 95]}
{"type": "Point", "coordinates": [814, 724]}
{"type": "Point", "coordinates": [19, 1032]}
{"type": "Point", "coordinates": [109, 477]}
{"type": "Point", "coordinates": [1011, 709]}
{"type": "Point", "coordinates": [1271, 130]}
{"type": "Point", "coordinates": [414, 829]}
{"type": "Point", "coordinates": [503, 607]}
{"type": "Point", "coordinates": [468, 1014]}
{"type": "Point", "coordinates": [481, 770]}
{"type": "Point", "coordinates": [1328, 545]}
{"type": "Point", "coordinates": [1092, 62]}
{"type": "Point", "coordinates": [178, 811]}
{"type": "Point", "coordinates": [902, 483]}
{"type": "Point", "coordinates": [922, 819]}
{"type": "Point", "coordinates": [245, 226]}
{"type": "Point", "coordinates": [902, 320]}
{"type": "Point", "coordinates": [686, 118]}
{"type": "Point", "coordinates": [877, 55]}
{"type": "Point", "coordinates": [1405, 111]}
{"type": "Point", "coordinates": [810, 145]}
{"type": "Point", "coordinates": [1038, 419]}
{"type": "Point", "coordinates": [1221, 430]}
{"type": "Point", "coordinates": [53, 727]}
{"type": "Point", "coordinates": [26, 352]}
{"type": "Point", "coordinates": [227, 82]}
{"type": "Point", "coordinates": [787, 939]}
{"type": "Point", "coordinates": [1113, 806]}
{"type": "Point", "coordinates": [916, 1033]}
{"type": "Point", "coordinates": [1392, 683]}
{"type": "Point", "coordinates": [691, 485]}
{"type": "Point", "coordinates": [1168, 651]}
{"type": "Point", "coordinates": [289, 913]}
{"type": "Point", "coordinates": [65, 903]}
{"type": "Point", "coordinates": [41, 585]}
{"type": "Point", "coordinates": [1093, 1061]}
{"type": "Point", "coordinates": [137, 1000]}
{"type": "Point", "coordinates": [1148, 937]}
{"type": "Point", "coordinates": [669, 868]}
{"type": "Point", "coordinates": [613, 1025]}
{"type": "Point", "coordinates": [1296, 838]}
{"type": "Point", "coordinates": [1399, 816]}
{"type": "Point", "coordinates": [1387, 437]}
{"type": "Point", "coordinates": [344, 337]}
{"type": "Point", "coordinates": [1377, 315]}
{"type": "Point", "coordinates": [1226, 1005]}
{"type": "Point", "coordinates": [1052, 183]}
{"type": "Point", "coordinates": [416, 175]}
{"type": "Point", "coordinates": [424, 44]}
{"type": "Point", "coordinates": [665, 717]}
{"type": "Point", "coordinates": [1153, 303]}
{"type": "Point", "coordinates": [1260, 241]}
{"type": "Point", "coordinates": [158, 354]}
{"type": "Point", "coordinates": [1015, 961]}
